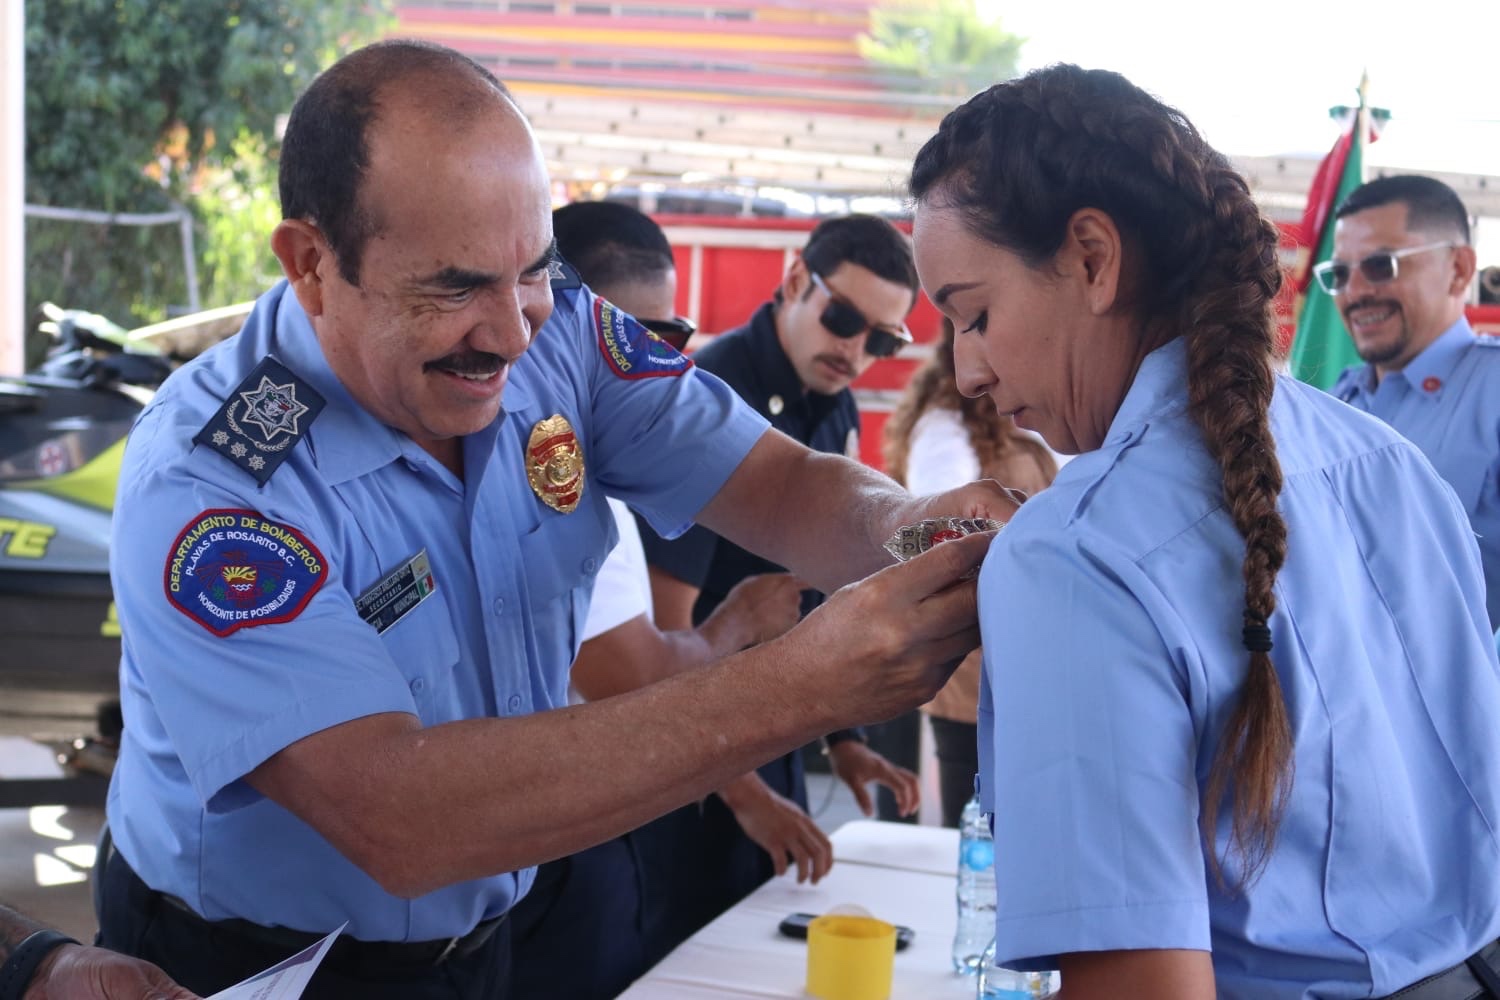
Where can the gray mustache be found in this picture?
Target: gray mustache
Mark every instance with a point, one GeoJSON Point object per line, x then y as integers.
{"type": "Point", "coordinates": [473, 363]}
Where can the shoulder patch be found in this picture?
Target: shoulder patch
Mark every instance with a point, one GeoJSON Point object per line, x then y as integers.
{"type": "Point", "coordinates": [231, 569]}
{"type": "Point", "coordinates": [263, 419]}
{"type": "Point", "coordinates": [631, 350]}
{"type": "Point", "coordinates": [562, 275]}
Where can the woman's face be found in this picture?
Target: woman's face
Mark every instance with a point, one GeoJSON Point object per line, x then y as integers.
{"type": "Point", "coordinates": [1047, 345]}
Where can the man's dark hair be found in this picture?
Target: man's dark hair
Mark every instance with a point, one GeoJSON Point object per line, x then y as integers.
{"type": "Point", "coordinates": [610, 243]}
{"type": "Point", "coordinates": [864, 240]}
{"type": "Point", "coordinates": [325, 151]}
{"type": "Point", "coordinates": [1430, 204]}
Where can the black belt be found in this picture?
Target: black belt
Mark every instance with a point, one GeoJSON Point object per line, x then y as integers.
{"type": "Point", "coordinates": [346, 953]}
{"type": "Point", "coordinates": [1475, 978]}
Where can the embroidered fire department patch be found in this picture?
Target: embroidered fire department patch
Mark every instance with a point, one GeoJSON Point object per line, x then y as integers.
{"type": "Point", "coordinates": [231, 569]}
{"type": "Point", "coordinates": [632, 350]}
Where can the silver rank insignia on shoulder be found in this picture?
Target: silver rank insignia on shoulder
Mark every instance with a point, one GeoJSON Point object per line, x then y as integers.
{"type": "Point", "coordinates": [554, 464]}
{"type": "Point", "coordinates": [263, 419]}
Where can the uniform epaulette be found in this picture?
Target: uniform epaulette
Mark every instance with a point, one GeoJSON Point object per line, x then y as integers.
{"type": "Point", "coordinates": [263, 419]}
{"type": "Point", "coordinates": [1486, 340]}
{"type": "Point", "coordinates": [563, 276]}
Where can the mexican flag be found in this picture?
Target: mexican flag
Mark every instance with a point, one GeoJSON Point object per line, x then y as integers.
{"type": "Point", "coordinates": [1321, 347]}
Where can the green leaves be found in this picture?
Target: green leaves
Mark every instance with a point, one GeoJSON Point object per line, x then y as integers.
{"type": "Point", "coordinates": [137, 105]}
{"type": "Point", "coordinates": [941, 47]}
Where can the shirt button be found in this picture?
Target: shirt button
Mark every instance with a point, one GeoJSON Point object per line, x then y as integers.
{"type": "Point", "coordinates": [515, 703]}
{"type": "Point", "coordinates": [499, 605]}
{"type": "Point", "coordinates": [418, 686]}
{"type": "Point", "coordinates": [590, 565]}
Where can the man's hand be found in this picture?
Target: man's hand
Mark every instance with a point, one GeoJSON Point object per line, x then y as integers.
{"type": "Point", "coordinates": [779, 826]}
{"type": "Point", "coordinates": [758, 608]}
{"type": "Point", "coordinates": [886, 644]}
{"type": "Point", "coordinates": [76, 972]}
{"type": "Point", "coordinates": [984, 498]}
{"type": "Point", "coordinates": [857, 765]}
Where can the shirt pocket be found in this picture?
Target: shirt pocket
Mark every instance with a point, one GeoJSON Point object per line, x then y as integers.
{"type": "Point", "coordinates": [424, 647]}
{"type": "Point", "coordinates": [562, 559]}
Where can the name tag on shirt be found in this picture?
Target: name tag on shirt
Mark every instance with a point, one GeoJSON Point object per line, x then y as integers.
{"type": "Point", "coordinates": [386, 603]}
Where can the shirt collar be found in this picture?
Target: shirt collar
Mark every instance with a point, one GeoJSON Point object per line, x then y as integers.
{"type": "Point", "coordinates": [773, 371]}
{"type": "Point", "coordinates": [1429, 371]}
{"type": "Point", "coordinates": [1160, 387]}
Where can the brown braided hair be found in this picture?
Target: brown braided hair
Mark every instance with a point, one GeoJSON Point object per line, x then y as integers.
{"type": "Point", "coordinates": [995, 439]}
{"type": "Point", "coordinates": [1019, 160]}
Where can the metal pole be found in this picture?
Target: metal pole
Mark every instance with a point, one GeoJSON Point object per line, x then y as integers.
{"type": "Point", "coordinates": [189, 258]}
{"type": "Point", "coordinates": [12, 187]}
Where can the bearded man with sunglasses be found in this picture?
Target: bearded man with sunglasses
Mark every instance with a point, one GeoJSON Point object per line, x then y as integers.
{"type": "Point", "coordinates": [842, 305]}
{"type": "Point", "coordinates": [1400, 274]}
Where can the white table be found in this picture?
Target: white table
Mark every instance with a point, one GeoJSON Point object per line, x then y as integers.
{"type": "Point", "coordinates": [899, 873]}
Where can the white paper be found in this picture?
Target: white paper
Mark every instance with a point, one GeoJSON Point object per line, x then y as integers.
{"type": "Point", "coordinates": [286, 980]}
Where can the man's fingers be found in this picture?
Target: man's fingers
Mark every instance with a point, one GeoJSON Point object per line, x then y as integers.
{"type": "Point", "coordinates": [942, 565]}
{"type": "Point", "coordinates": [862, 797]}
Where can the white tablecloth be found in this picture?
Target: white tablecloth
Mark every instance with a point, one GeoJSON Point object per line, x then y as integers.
{"type": "Point", "coordinates": [900, 873]}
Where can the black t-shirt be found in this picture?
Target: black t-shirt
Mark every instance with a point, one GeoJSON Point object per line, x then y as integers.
{"type": "Point", "coordinates": [750, 360]}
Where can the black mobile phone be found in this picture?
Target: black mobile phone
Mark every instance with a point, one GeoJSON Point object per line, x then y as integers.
{"type": "Point", "coordinates": [795, 926]}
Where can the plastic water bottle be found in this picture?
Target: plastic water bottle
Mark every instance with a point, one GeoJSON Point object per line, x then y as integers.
{"type": "Point", "coordinates": [976, 889]}
{"type": "Point", "coordinates": [999, 983]}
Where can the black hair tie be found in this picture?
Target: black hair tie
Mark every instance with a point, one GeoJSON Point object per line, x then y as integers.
{"type": "Point", "coordinates": [1256, 635]}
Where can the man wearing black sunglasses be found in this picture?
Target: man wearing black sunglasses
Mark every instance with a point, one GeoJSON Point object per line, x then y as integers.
{"type": "Point", "coordinates": [1400, 274]}
{"type": "Point", "coordinates": [842, 304]}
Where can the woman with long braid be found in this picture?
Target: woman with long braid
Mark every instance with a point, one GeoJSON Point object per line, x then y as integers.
{"type": "Point", "coordinates": [1242, 740]}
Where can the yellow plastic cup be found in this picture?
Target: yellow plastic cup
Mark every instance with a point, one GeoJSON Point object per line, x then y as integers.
{"type": "Point", "coordinates": [850, 958]}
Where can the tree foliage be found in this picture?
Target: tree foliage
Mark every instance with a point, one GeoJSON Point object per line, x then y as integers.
{"type": "Point", "coordinates": [940, 47]}
{"type": "Point", "coordinates": [142, 105]}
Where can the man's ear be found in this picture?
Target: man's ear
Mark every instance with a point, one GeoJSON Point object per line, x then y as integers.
{"type": "Point", "coordinates": [796, 283]}
{"type": "Point", "coordinates": [1094, 247]}
{"type": "Point", "coordinates": [1465, 263]}
{"type": "Point", "coordinates": [300, 247]}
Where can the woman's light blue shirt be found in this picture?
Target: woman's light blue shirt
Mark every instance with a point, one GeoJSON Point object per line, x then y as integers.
{"type": "Point", "coordinates": [1111, 616]}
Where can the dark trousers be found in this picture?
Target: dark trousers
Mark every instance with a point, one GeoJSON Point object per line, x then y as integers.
{"type": "Point", "coordinates": [207, 956]}
{"type": "Point", "coordinates": [899, 742]}
{"type": "Point", "coordinates": [958, 762]}
{"type": "Point", "coordinates": [578, 933]}
{"type": "Point", "coordinates": [696, 862]}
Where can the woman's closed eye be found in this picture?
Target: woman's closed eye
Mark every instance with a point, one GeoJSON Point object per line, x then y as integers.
{"type": "Point", "coordinates": [980, 322]}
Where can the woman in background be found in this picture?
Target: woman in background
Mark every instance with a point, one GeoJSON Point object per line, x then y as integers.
{"type": "Point", "coordinates": [936, 439]}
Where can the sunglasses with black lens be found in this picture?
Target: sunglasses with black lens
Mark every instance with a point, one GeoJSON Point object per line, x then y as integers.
{"type": "Point", "coordinates": [676, 331]}
{"type": "Point", "coordinates": [844, 321]}
{"type": "Point", "coordinates": [1378, 268]}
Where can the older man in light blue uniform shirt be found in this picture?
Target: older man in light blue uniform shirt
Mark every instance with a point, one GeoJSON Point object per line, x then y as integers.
{"type": "Point", "coordinates": [494, 638]}
{"type": "Point", "coordinates": [1402, 267]}
{"type": "Point", "coordinates": [1121, 620]}
{"type": "Point", "coordinates": [353, 549]}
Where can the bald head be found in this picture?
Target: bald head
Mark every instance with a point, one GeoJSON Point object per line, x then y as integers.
{"type": "Point", "coordinates": [326, 152]}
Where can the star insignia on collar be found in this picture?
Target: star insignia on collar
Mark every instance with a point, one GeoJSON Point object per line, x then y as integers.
{"type": "Point", "coordinates": [273, 408]}
{"type": "Point", "coordinates": [220, 438]}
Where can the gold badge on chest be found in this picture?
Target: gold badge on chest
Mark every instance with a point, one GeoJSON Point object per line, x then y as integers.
{"type": "Point", "coordinates": [554, 464]}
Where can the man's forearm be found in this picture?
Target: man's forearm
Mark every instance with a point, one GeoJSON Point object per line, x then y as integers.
{"type": "Point", "coordinates": [411, 813]}
{"type": "Point", "coordinates": [821, 516]}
